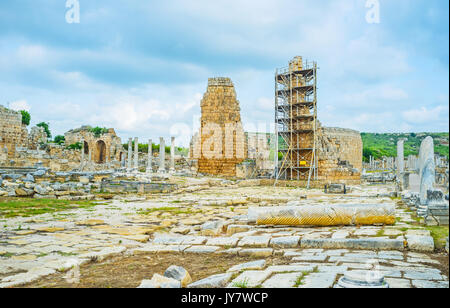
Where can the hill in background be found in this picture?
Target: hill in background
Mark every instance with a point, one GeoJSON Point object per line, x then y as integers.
{"type": "Point", "coordinates": [379, 145]}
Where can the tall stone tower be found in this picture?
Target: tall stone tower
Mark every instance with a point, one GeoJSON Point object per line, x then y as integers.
{"type": "Point", "coordinates": [222, 139]}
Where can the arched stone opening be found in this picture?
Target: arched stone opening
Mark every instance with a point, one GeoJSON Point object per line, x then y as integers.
{"type": "Point", "coordinates": [86, 148]}
{"type": "Point", "coordinates": [100, 153]}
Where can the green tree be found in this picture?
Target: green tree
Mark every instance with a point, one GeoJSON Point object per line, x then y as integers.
{"type": "Point", "coordinates": [75, 146]}
{"type": "Point", "coordinates": [26, 117]}
{"type": "Point", "coordinates": [59, 139]}
{"type": "Point", "coordinates": [46, 129]}
{"type": "Point", "coordinates": [98, 131]}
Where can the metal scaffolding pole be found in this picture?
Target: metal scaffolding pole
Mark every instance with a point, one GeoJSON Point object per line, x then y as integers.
{"type": "Point", "coordinates": [296, 121]}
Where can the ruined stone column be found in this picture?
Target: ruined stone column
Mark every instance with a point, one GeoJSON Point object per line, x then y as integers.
{"type": "Point", "coordinates": [130, 152]}
{"type": "Point", "coordinates": [400, 159]}
{"type": "Point", "coordinates": [427, 168]}
{"type": "Point", "coordinates": [122, 162]}
{"type": "Point", "coordinates": [82, 154]}
{"type": "Point", "coordinates": [150, 156]}
{"type": "Point", "coordinates": [172, 155]}
{"type": "Point", "coordinates": [136, 154]}
{"type": "Point", "coordinates": [162, 155]}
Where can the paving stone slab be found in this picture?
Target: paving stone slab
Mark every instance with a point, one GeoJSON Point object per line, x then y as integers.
{"type": "Point", "coordinates": [250, 279]}
{"type": "Point", "coordinates": [419, 275]}
{"type": "Point", "coordinates": [254, 265]}
{"type": "Point", "coordinates": [340, 234]}
{"type": "Point", "coordinates": [316, 258]}
{"type": "Point", "coordinates": [168, 240]}
{"type": "Point", "coordinates": [285, 242]}
{"type": "Point", "coordinates": [233, 229]}
{"type": "Point", "coordinates": [202, 249]}
{"type": "Point", "coordinates": [430, 284]}
{"type": "Point", "coordinates": [326, 268]}
{"type": "Point", "coordinates": [215, 281]}
{"type": "Point", "coordinates": [222, 241]}
{"type": "Point", "coordinates": [426, 261]}
{"type": "Point", "coordinates": [231, 251]}
{"type": "Point", "coordinates": [319, 280]}
{"type": "Point", "coordinates": [256, 252]}
{"type": "Point", "coordinates": [194, 240]}
{"type": "Point", "coordinates": [335, 252]}
{"type": "Point", "coordinates": [287, 280]}
{"type": "Point", "coordinates": [390, 257]}
{"type": "Point", "coordinates": [369, 243]}
{"type": "Point", "coordinates": [420, 243]}
{"type": "Point", "coordinates": [290, 268]}
{"type": "Point", "coordinates": [255, 241]}
{"type": "Point", "coordinates": [396, 283]}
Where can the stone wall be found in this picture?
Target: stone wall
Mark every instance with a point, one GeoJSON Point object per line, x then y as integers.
{"type": "Point", "coordinates": [340, 155]}
{"type": "Point", "coordinates": [20, 149]}
{"type": "Point", "coordinates": [12, 132]}
{"type": "Point", "coordinates": [348, 145]}
{"type": "Point", "coordinates": [37, 136]}
{"type": "Point", "coordinates": [222, 138]}
{"type": "Point", "coordinates": [52, 156]}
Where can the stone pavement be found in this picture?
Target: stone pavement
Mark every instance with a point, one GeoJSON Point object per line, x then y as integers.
{"type": "Point", "coordinates": [214, 220]}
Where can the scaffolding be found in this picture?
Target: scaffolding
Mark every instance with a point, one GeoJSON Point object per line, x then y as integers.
{"type": "Point", "coordinates": [296, 121]}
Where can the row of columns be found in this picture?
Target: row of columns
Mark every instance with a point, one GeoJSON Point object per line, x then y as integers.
{"type": "Point", "coordinates": [162, 155]}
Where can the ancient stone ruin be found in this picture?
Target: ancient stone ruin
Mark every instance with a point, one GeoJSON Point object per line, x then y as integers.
{"type": "Point", "coordinates": [14, 134]}
{"type": "Point", "coordinates": [92, 198]}
{"type": "Point", "coordinates": [222, 139]}
{"type": "Point", "coordinates": [100, 148]}
{"type": "Point", "coordinates": [311, 153]}
{"type": "Point", "coordinates": [339, 155]}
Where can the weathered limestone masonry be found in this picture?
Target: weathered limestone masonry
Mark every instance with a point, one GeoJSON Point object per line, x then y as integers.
{"type": "Point", "coordinates": [99, 149]}
{"type": "Point", "coordinates": [53, 156]}
{"type": "Point", "coordinates": [13, 133]}
{"type": "Point", "coordinates": [36, 137]}
{"type": "Point", "coordinates": [222, 139]}
{"type": "Point", "coordinates": [340, 155]}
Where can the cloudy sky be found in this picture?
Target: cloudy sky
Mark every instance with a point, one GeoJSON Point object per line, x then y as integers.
{"type": "Point", "coordinates": [142, 66]}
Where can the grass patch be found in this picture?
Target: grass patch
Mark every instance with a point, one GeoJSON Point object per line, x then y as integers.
{"type": "Point", "coordinates": [380, 233]}
{"type": "Point", "coordinates": [172, 210]}
{"type": "Point", "coordinates": [22, 207]}
{"type": "Point", "coordinates": [241, 284]}
{"type": "Point", "coordinates": [439, 234]}
{"type": "Point", "coordinates": [300, 279]}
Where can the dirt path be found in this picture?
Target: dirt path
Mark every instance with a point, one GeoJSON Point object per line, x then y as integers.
{"type": "Point", "coordinates": [128, 272]}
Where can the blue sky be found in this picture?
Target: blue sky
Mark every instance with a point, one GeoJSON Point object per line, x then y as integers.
{"type": "Point", "coordinates": [142, 66]}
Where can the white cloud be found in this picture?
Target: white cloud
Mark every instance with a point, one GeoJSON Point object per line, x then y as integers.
{"type": "Point", "coordinates": [32, 54]}
{"type": "Point", "coordinates": [424, 115]}
{"type": "Point", "coordinates": [20, 105]}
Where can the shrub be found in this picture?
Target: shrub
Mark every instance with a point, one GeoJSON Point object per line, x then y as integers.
{"type": "Point", "coordinates": [59, 139]}
{"type": "Point", "coordinates": [98, 131]}
{"type": "Point", "coordinates": [75, 146]}
{"type": "Point", "coordinates": [26, 117]}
